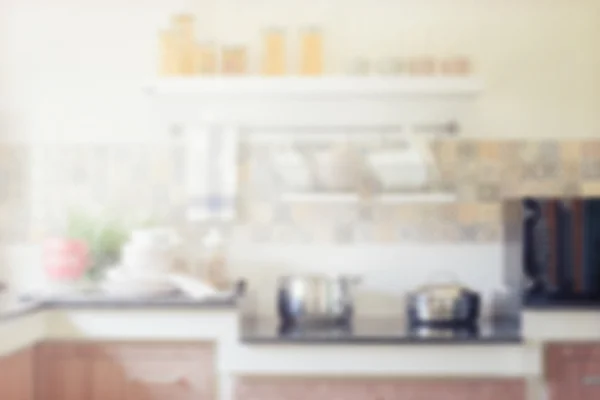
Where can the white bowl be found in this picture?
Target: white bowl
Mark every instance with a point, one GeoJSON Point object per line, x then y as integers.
{"type": "Point", "coordinates": [122, 282]}
{"type": "Point", "coordinates": [151, 260]}
{"type": "Point", "coordinates": [136, 289]}
{"type": "Point", "coordinates": [151, 238]}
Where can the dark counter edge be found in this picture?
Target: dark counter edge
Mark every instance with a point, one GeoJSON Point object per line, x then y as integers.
{"type": "Point", "coordinates": [561, 305]}
{"type": "Point", "coordinates": [188, 304]}
{"type": "Point", "coordinates": [375, 340]}
{"type": "Point", "coordinates": [504, 331]}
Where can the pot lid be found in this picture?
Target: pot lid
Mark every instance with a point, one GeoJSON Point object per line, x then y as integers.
{"type": "Point", "coordinates": [443, 282]}
{"type": "Point", "coordinates": [449, 289]}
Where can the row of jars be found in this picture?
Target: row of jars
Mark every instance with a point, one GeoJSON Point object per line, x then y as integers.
{"type": "Point", "coordinates": [182, 54]}
{"type": "Point", "coordinates": [419, 65]}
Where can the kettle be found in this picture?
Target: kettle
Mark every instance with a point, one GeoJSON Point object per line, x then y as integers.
{"type": "Point", "coordinates": [448, 303]}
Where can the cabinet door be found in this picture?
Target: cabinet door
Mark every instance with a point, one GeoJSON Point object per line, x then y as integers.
{"type": "Point", "coordinates": [106, 379]}
{"type": "Point", "coordinates": [16, 376]}
{"type": "Point", "coordinates": [572, 371]}
{"type": "Point", "coordinates": [165, 379]}
{"type": "Point", "coordinates": [62, 373]}
{"type": "Point", "coordinates": [153, 372]}
{"type": "Point", "coordinates": [102, 371]}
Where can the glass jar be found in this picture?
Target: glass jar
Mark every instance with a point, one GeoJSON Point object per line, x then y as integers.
{"type": "Point", "coordinates": [205, 62]}
{"type": "Point", "coordinates": [184, 26]}
{"type": "Point", "coordinates": [234, 60]}
{"type": "Point", "coordinates": [274, 58]}
{"type": "Point", "coordinates": [422, 66]}
{"type": "Point", "coordinates": [456, 66]}
{"type": "Point", "coordinates": [168, 54]}
{"type": "Point", "coordinates": [311, 52]}
{"type": "Point", "coordinates": [214, 259]}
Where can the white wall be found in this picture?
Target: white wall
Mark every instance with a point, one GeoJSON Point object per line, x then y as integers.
{"type": "Point", "coordinates": [388, 272]}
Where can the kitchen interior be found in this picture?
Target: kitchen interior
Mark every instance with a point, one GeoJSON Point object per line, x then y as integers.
{"type": "Point", "coordinates": [214, 199]}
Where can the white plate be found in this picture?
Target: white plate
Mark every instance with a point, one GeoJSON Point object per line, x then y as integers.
{"type": "Point", "coordinates": [125, 274]}
{"type": "Point", "coordinates": [122, 282]}
{"type": "Point", "coordinates": [193, 287]}
{"type": "Point", "coordinates": [131, 289]}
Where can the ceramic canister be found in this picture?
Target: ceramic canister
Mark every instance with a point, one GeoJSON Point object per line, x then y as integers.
{"type": "Point", "coordinates": [65, 259]}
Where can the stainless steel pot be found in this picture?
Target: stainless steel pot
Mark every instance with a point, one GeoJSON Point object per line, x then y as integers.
{"type": "Point", "coordinates": [443, 304]}
{"type": "Point", "coordinates": [316, 298]}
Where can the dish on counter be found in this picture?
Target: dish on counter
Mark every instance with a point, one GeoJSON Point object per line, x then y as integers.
{"type": "Point", "coordinates": [121, 282]}
{"type": "Point", "coordinates": [136, 289]}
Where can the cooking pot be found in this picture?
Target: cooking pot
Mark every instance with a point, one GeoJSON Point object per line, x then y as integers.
{"type": "Point", "coordinates": [443, 304]}
{"type": "Point", "coordinates": [316, 298]}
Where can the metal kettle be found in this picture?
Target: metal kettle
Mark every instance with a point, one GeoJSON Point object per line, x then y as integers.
{"type": "Point", "coordinates": [316, 298]}
{"type": "Point", "coordinates": [448, 303]}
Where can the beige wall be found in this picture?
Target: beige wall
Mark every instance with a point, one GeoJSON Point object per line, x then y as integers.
{"type": "Point", "coordinates": [72, 71]}
{"type": "Point", "coordinates": [77, 73]}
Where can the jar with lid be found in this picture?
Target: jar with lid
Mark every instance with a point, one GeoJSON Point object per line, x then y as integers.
{"type": "Point", "coordinates": [168, 53]}
{"type": "Point", "coordinates": [215, 259]}
{"type": "Point", "coordinates": [205, 58]}
{"type": "Point", "coordinates": [274, 52]}
{"type": "Point", "coordinates": [184, 35]}
{"type": "Point", "coordinates": [234, 60]}
{"type": "Point", "coordinates": [311, 51]}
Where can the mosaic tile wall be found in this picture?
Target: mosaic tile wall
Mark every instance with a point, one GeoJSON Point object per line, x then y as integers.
{"type": "Point", "coordinates": [38, 185]}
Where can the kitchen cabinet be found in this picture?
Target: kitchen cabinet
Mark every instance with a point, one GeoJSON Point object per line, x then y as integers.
{"type": "Point", "coordinates": [125, 371]}
{"type": "Point", "coordinates": [275, 388]}
{"type": "Point", "coordinates": [16, 375]}
{"type": "Point", "coordinates": [572, 370]}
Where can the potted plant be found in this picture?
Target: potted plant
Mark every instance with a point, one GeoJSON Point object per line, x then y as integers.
{"type": "Point", "coordinates": [104, 238]}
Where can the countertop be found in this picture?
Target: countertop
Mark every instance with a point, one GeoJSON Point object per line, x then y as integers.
{"type": "Point", "coordinates": [14, 307]}
{"type": "Point", "coordinates": [378, 331]}
{"type": "Point", "coordinates": [268, 331]}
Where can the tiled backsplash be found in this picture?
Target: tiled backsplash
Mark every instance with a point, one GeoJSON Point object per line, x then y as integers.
{"type": "Point", "coordinates": [38, 184]}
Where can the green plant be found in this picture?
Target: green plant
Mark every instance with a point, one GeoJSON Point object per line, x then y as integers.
{"type": "Point", "coordinates": [104, 239]}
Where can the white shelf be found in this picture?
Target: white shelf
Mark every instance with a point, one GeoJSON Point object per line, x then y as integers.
{"type": "Point", "coordinates": [440, 197]}
{"type": "Point", "coordinates": [321, 86]}
{"type": "Point", "coordinates": [391, 198]}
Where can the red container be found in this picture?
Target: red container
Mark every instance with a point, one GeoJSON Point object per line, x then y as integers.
{"type": "Point", "coordinates": [65, 259]}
